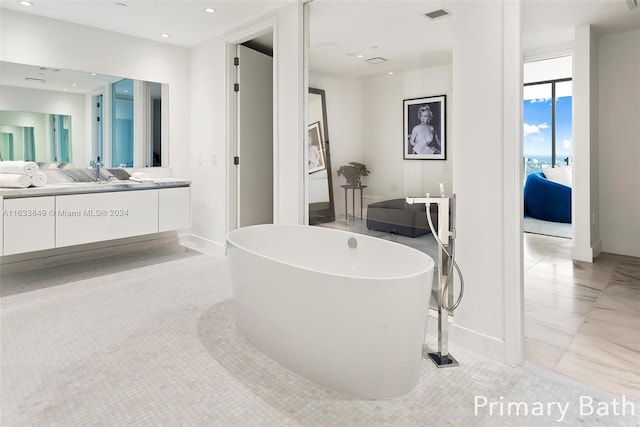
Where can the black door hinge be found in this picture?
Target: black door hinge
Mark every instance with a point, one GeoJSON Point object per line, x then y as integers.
{"type": "Point", "coordinates": [236, 87]}
{"type": "Point", "coordinates": [236, 61]}
{"type": "Point", "coordinates": [236, 160]}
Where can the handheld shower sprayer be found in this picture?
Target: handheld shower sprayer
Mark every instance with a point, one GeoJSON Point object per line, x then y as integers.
{"type": "Point", "coordinates": [445, 238]}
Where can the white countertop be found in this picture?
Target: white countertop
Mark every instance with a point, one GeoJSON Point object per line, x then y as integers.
{"type": "Point", "coordinates": [92, 187]}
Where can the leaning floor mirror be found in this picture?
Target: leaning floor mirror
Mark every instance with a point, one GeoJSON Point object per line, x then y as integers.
{"type": "Point", "coordinates": [321, 207]}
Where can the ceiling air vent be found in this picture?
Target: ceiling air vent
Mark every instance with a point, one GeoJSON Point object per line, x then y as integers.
{"type": "Point", "coordinates": [436, 14]}
{"type": "Point", "coordinates": [376, 60]}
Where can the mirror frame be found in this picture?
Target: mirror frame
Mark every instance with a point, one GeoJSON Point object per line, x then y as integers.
{"type": "Point", "coordinates": [321, 212]}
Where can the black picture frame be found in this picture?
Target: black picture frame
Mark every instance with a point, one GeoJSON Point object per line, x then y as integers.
{"type": "Point", "coordinates": [424, 141]}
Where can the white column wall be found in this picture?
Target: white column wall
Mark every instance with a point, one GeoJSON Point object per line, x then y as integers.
{"type": "Point", "coordinates": [585, 173]}
{"type": "Point", "coordinates": [619, 149]}
{"type": "Point", "coordinates": [484, 73]}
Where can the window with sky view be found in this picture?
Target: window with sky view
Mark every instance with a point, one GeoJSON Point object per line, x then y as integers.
{"type": "Point", "coordinates": [547, 139]}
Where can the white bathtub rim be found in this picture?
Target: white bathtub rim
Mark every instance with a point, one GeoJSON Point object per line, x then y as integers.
{"type": "Point", "coordinates": [426, 270]}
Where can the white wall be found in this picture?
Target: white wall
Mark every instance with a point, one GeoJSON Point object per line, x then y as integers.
{"type": "Point", "coordinates": [394, 177]}
{"type": "Point", "coordinates": [52, 102]}
{"type": "Point", "coordinates": [486, 176]}
{"type": "Point", "coordinates": [29, 39]}
{"type": "Point", "coordinates": [210, 100]}
{"type": "Point", "coordinates": [366, 124]}
{"type": "Point", "coordinates": [585, 215]}
{"type": "Point", "coordinates": [618, 156]}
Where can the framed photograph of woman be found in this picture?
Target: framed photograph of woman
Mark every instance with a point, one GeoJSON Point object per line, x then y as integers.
{"type": "Point", "coordinates": [315, 146]}
{"type": "Point", "coordinates": [424, 128]}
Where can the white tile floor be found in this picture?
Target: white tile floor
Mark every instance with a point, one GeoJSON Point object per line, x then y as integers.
{"type": "Point", "coordinates": [152, 341]}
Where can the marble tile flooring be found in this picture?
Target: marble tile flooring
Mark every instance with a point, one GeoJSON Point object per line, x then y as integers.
{"type": "Point", "coordinates": [582, 319]}
{"type": "Point", "coordinates": [150, 339]}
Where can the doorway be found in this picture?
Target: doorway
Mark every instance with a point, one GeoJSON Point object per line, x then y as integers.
{"type": "Point", "coordinates": [252, 186]}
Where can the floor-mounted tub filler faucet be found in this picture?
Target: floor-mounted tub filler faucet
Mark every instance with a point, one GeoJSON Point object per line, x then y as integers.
{"type": "Point", "coordinates": [445, 237]}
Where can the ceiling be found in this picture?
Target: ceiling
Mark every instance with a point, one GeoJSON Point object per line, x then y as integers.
{"type": "Point", "coordinates": [340, 30]}
{"type": "Point", "coordinates": [187, 22]}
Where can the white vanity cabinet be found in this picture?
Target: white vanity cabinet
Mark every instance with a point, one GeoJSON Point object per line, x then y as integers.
{"type": "Point", "coordinates": [174, 208]}
{"type": "Point", "coordinates": [28, 224]}
{"type": "Point", "coordinates": [2, 226]}
{"type": "Point", "coordinates": [94, 217]}
{"type": "Point", "coordinates": [64, 217]}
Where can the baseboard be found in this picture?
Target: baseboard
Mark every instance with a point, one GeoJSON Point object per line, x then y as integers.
{"type": "Point", "coordinates": [471, 340]}
{"type": "Point", "coordinates": [60, 256]}
{"type": "Point", "coordinates": [622, 248]}
{"type": "Point", "coordinates": [581, 253]}
{"type": "Point", "coordinates": [597, 248]}
{"type": "Point", "coordinates": [477, 342]}
{"type": "Point", "coordinates": [203, 245]}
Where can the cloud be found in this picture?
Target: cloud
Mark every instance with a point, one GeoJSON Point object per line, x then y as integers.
{"type": "Point", "coordinates": [533, 129]}
{"type": "Point", "coordinates": [533, 101]}
{"type": "Point", "coordinates": [566, 144]}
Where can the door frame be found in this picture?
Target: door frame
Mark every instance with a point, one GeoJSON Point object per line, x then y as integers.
{"type": "Point", "coordinates": [244, 35]}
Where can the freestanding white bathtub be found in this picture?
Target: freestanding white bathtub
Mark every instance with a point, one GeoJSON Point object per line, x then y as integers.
{"type": "Point", "coordinates": [352, 319]}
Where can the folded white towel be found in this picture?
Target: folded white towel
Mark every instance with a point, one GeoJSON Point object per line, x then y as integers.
{"type": "Point", "coordinates": [38, 179]}
{"type": "Point", "coordinates": [19, 166]}
{"type": "Point", "coordinates": [14, 180]}
{"type": "Point", "coordinates": [141, 177]}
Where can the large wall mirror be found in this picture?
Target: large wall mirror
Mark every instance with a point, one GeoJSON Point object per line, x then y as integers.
{"type": "Point", "coordinates": [50, 115]}
{"type": "Point", "coordinates": [30, 136]}
{"type": "Point", "coordinates": [321, 206]}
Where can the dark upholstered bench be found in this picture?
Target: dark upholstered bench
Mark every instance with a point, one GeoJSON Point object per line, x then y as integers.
{"type": "Point", "coordinates": [397, 216]}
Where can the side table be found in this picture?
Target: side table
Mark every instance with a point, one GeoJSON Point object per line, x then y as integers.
{"type": "Point", "coordinates": [353, 189]}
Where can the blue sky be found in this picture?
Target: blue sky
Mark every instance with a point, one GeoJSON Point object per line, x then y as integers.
{"type": "Point", "coordinates": [537, 127]}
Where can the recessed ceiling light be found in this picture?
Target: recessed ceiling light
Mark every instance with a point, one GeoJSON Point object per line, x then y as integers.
{"type": "Point", "coordinates": [26, 3]}
{"type": "Point", "coordinates": [390, 72]}
{"type": "Point", "coordinates": [165, 35]}
{"type": "Point", "coordinates": [74, 85]}
{"type": "Point", "coordinates": [209, 10]}
{"type": "Point", "coordinates": [93, 74]}
{"type": "Point", "coordinates": [360, 55]}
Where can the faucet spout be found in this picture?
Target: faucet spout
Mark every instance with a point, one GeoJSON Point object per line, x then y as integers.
{"type": "Point", "coordinates": [98, 164]}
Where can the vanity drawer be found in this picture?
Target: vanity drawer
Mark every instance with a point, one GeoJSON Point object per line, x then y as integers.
{"type": "Point", "coordinates": [174, 208]}
{"type": "Point", "coordinates": [28, 225]}
{"type": "Point", "coordinates": [86, 218]}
